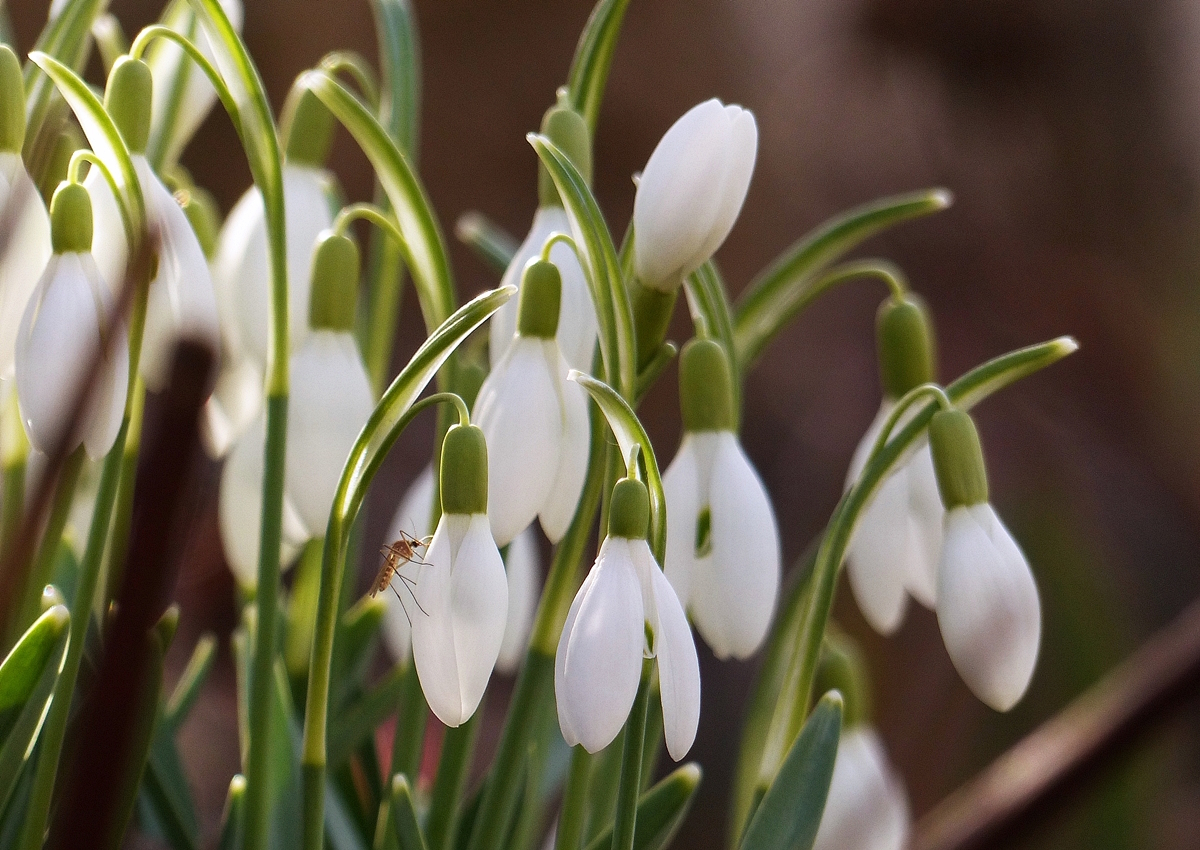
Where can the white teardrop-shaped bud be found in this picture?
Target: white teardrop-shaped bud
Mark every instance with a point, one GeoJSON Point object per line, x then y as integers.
{"type": "Point", "coordinates": [60, 336]}
{"type": "Point", "coordinates": [577, 328]}
{"type": "Point", "coordinates": [330, 402]}
{"type": "Point", "coordinates": [242, 272]}
{"type": "Point", "coordinates": [691, 191]}
{"type": "Point", "coordinates": [459, 625]}
{"type": "Point", "coordinates": [24, 251]}
{"type": "Point", "coordinates": [987, 607]}
{"type": "Point", "coordinates": [867, 808]}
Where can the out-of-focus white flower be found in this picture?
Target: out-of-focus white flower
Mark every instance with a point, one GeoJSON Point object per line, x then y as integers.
{"type": "Point", "coordinates": [535, 420]}
{"type": "Point", "coordinates": [522, 566]}
{"type": "Point", "coordinates": [239, 508]}
{"type": "Point", "coordinates": [624, 611]}
{"type": "Point", "coordinates": [461, 588]}
{"type": "Point", "coordinates": [183, 95]}
{"type": "Point", "coordinates": [236, 399]}
{"type": "Point", "coordinates": [897, 542]}
{"type": "Point", "coordinates": [61, 333]}
{"type": "Point", "coordinates": [722, 540]}
{"type": "Point", "coordinates": [577, 327]}
{"type": "Point", "coordinates": [867, 808]}
{"type": "Point", "coordinates": [987, 607]}
{"type": "Point", "coordinates": [330, 401]}
{"type": "Point", "coordinates": [242, 272]}
{"type": "Point", "coordinates": [181, 301]}
{"type": "Point", "coordinates": [691, 191]}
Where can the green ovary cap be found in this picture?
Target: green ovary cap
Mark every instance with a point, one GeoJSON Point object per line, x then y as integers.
{"type": "Point", "coordinates": [566, 128]}
{"type": "Point", "coordinates": [957, 459]}
{"type": "Point", "coordinates": [464, 471]}
{"type": "Point", "coordinates": [12, 101]}
{"type": "Point", "coordinates": [540, 299]}
{"type": "Point", "coordinates": [629, 512]}
{"type": "Point", "coordinates": [309, 129]}
{"type": "Point", "coordinates": [71, 219]}
{"type": "Point", "coordinates": [334, 283]}
{"type": "Point", "coordinates": [706, 387]}
{"type": "Point", "coordinates": [127, 100]}
{"type": "Point", "coordinates": [904, 336]}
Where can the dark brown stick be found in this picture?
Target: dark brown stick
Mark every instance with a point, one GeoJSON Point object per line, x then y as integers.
{"type": "Point", "coordinates": [1021, 786]}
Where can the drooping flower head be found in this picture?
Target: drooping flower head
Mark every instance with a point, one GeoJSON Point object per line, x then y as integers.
{"type": "Point", "coordinates": [577, 327]}
{"type": "Point", "coordinates": [898, 540]}
{"type": "Point", "coordinates": [25, 243]}
{"type": "Point", "coordinates": [625, 611]}
{"type": "Point", "coordinates": [987, 605]}
{"type": "Point", "coordinates": [691, 191]}
{"type": "Point", "coordinates": [63, 330]}
{"type": "Point", "coordinates": [460, 590]}
{"type": "Point", "coordinates": [536, 421]}
{"type": "Point", "coordinates": [722, 539]}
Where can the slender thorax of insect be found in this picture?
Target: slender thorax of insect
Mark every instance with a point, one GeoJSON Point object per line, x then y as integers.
{"type": "Point", "coordinates": [395, 556]}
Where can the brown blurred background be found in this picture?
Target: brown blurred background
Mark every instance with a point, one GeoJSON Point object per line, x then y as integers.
{"type": "Point", "coordinates": [1070, 135]}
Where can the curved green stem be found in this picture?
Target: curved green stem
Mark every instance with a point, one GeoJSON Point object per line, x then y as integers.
{"type": "Point", "coordinates": [934, 391]}
{"type": "Point", "coordinates": [573, 815]}
{"type": "Point", "coordinates": [359, 69]}
{"type": "Point", "coordinates": [553, 240]}
{"type": "Point", "coordinates": [631, 764]}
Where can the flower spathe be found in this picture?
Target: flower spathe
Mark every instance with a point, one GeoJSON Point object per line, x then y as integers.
{"type": "Point", "coordinates": [331, 400]}
{"type": "Point", "coordinates": [61, 333]}
{"type": "Point", "coordinates": [691, 191]}
{"type": "Point", "coordinates": [625, 611]}
{"type": "Point", "coordinates": [866, 808]}
{"type": "Point", "coordinates": [577, 327]}
{"type": "Point", "coordinates": [988, 608]}
{"type": "Point", "coordinates": [896, 545]}
{"type": "Point", "coordinates": [26, 250]}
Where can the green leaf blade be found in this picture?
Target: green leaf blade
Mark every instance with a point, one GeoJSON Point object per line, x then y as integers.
{"type": "Point", "coordinates": [593, 59]}
{"type": "Point", "coordinates": [660, 811]}
{"type": "Point", "coordinates": [790, 812]}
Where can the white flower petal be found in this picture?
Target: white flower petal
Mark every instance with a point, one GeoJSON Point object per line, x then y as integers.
{"type": "Point", "coordinates": [518, 410]}
{"type": "Point", "coordinates": [601, 654]}
{"type": "Point", "coordinates": [867, 808]}
{"type": "Point", "coordinates": [464, 595]}
{"type": "Point", "coordinates": [181, 301]}
{"type": "Point", "coordinates": [109, 247]}
{"type": "Point", "coordinates": [925, 514]}
{"type": "Point", "coordinates": [863, 450]}
{"type": "Point", "coordinates": [577, 329]}
{"type": "Point", "coordinates": [524, 581]}
{"type": "Point", "coordinates": [734, 591]}
{"type": "Point", "coordinates": [241, 269]}
{"type": "Point", "coordinates": [559, 508]}
{"type": "Point", "coordinates": [743, 149]}
{"type": "Point", "coordinates": [681, 487]}
{"type": "Point", "coordinates": [875, 560]}
{"type": "Point", "coordinates": [236, 399]}
{"type": "Point", "coordinates": [988, 607]}
{"type": "Point", "coordinates": [26, 252]}
{"type": "Point", "coordinates": [330, 401]}
{"type": "Point", "coordinates": [678, 198]}
{"type": "Point", "coordinates": [678, 667]}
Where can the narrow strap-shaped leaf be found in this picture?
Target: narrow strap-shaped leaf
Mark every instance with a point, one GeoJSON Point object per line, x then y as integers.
{"type": "Point", "coordinates": [165, 791]}
{"type": "Point", "coordinates": [660, 811]}
{"type": "Point", "coordinates": [593, 58]}
{"type": "Point", "coordinates": [105, 140]}
{"type": "Point", "coordinates": [629, 433]}
{"type": "Point", "coordinates": [235, 809]}
{"type": "Point", "coordinates": [598, 256]}
{"type": "Point", "coordinates": [488, 240]}
{"type": "Point", "coordinates": [404, 815]}
{"type": "Point", "coordinates": [348, 730]}
{"type": "Point", "coordinates": [424, 246]}
{"type": "Point", "coordinates": [27, 679]}
{"type": "Point", "coordinates": [790, 812]}
{"type": "Point", "coordinates": [400, 64]}
{"type": "Point", "coordinates": [354, 645]}
{"type": "Point", "coordinates": [187, 689]}
{"type": "Point", "coordinates": [784, 288]}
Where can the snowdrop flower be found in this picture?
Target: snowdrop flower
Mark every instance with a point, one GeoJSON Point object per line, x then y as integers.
{"type": "Point", "coordinates": [62, 332]}
{"type": "Point", "coordinates": [898, 539]}
{"type": "Point", "coordinates": [625, 611]}
{"type": "Point", "coordinates": [987, 605]}
{"type": "Point", "coordinates": [331, 396]}
{"type": "Point", "coordinates": [26, 246]}
{"type": "Point", "coordinates": [577, 327]}
{"type": "Point", "coordinates": [536, 421]}
{"type": "Point", "coordinates": [691, 192]}
{"type": "Point", "coordinates": [183, 95]}
{"type": "Point", "coordinates": [867, 808]}
{"type": "Point", "coordinates": [722, 540]}
{"type": "Point", "coordinates": [460, 589]}
{"type": "Point", "coordinates": [181, 301]}
{"type": "Point", "coordinates": [242, 270]}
